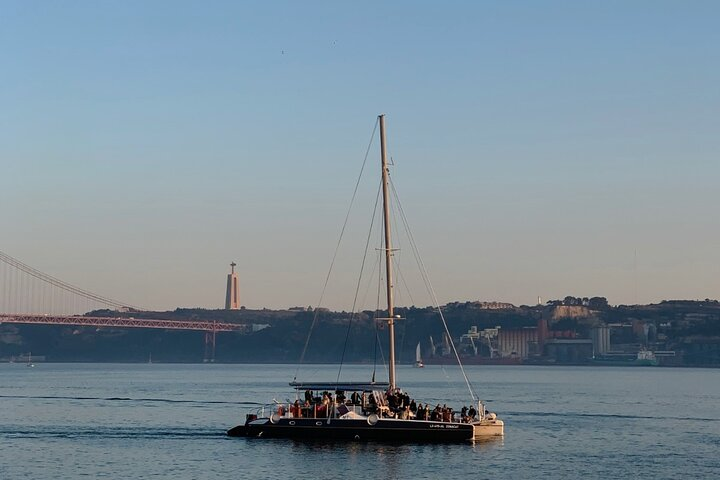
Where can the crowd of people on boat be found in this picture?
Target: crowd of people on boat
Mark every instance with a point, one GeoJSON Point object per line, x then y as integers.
{"type": "Point", "coordinates": [391, 404]}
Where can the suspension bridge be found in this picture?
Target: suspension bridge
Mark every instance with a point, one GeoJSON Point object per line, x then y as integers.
{"type": "Point", "coordinates": [29, 296]}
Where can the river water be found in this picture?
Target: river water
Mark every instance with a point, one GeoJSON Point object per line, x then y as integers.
{"type": "Point", "coordinates": [168, 421]}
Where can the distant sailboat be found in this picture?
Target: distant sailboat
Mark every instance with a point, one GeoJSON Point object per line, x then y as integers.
{"type": "Point", "coordinates": [418, 358]}
{"type": "Point", "coordinates": [29, 362]}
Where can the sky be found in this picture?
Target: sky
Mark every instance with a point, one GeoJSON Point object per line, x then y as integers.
{"type": "Point", "coordinates": [540, 149]}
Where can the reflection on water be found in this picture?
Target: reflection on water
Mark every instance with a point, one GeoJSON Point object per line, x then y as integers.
{"type": "Point", "coordinates": [483, 444]}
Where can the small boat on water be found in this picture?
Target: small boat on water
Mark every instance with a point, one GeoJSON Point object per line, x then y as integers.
{"type": "Point", "coordinates": [643, 358]}
{"type": "Point", "coordinates": [372, 411]}
{"type": "Point", "coordinates": [418, 358]}
{"type": "Point", "coordinates": [646, 358]}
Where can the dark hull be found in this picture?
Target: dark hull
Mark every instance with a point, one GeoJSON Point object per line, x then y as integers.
{"type": "Point", "coordinates": [388, 430]}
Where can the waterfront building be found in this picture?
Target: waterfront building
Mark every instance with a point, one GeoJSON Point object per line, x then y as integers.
{"type": "Point", "coordinates": [600, 340]}
{"type": "Point", "coordinates": [515, 343]}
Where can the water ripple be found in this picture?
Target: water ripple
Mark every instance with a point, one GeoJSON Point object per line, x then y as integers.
{"type": "Point", "coordinates": [106, 432]}
{"type": "Point", "coordinates": [608, 415]}
{"type": "Point", "coordinates": [128, 399]}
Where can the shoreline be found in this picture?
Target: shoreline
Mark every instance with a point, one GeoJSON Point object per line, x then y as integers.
{"type": "Point", "coordinates": [473, 364]}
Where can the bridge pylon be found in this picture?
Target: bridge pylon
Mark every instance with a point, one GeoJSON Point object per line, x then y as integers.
{"type": "Point", "coordinates": [210, 346]}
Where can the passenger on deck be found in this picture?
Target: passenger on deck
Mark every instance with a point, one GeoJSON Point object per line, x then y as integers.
{"type": "Point", "coordinates": [369, 403]}
{"type": "Point", "coordinates": [444, 413]}
{"type": "Point", "coordinates": [471, 413]}
{"type": "Point", "coordinates": [392, 400]}
{"type": "Point", "coordinates": [436, 415]}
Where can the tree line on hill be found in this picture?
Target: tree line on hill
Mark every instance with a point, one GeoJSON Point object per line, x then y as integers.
{"type": "Point", "coordinates": [342, 336]}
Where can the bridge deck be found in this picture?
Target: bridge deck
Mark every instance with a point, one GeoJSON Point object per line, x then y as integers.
{"type": "Point", "coordinates": [124, 322]}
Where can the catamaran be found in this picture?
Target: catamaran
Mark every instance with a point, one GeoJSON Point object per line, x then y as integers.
{"type": "Point", "coordinates": [372, 411]}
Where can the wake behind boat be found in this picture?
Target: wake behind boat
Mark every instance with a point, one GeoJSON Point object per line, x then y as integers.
{"type": "Point", "coordinates": [372, 411]}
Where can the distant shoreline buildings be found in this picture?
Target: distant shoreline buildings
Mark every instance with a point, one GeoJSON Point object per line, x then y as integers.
{"type": "Point", "coordinates": [573, 331]}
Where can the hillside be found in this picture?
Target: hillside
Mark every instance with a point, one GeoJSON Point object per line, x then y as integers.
{"type": "Point", "coordinates": [690, 328]}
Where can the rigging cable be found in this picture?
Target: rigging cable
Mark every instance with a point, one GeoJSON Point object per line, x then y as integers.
{"type": "Point", "coordinates": [337, 248]}
{"type": "Point", "coordinates": [398, 270]}
{"type": "Point", "coordinates": [429, 287]}
{"type": "Point", "coordinates": [378, 345]}
{"type": "Point", "coordinates": [359, 282]}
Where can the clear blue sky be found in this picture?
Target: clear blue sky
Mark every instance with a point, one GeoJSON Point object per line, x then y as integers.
{"type": "Point", "coordinates": [541, 148]}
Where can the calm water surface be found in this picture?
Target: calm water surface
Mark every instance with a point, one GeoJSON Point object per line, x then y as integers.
{"type": "Point", "coordinates": [163, 421]}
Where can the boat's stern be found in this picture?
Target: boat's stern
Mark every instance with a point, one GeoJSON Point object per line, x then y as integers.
{"type": "Point", "coordinates": [239, 431]}
{"type": "Point", "coordinates": [489, 426]}
{"type": "Point", "coordinates": [243, 430]}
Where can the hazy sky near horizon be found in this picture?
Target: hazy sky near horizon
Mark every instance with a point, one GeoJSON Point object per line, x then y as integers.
{"type": "Point", "coordinates": [541, 148]}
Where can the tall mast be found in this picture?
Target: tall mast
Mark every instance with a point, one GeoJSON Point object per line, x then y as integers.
{"type": "Point", "coordinates": [388, 252]}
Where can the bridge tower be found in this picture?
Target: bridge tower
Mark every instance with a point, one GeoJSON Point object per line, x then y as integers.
{"type": "Point", "coordinates": [232, 293]}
